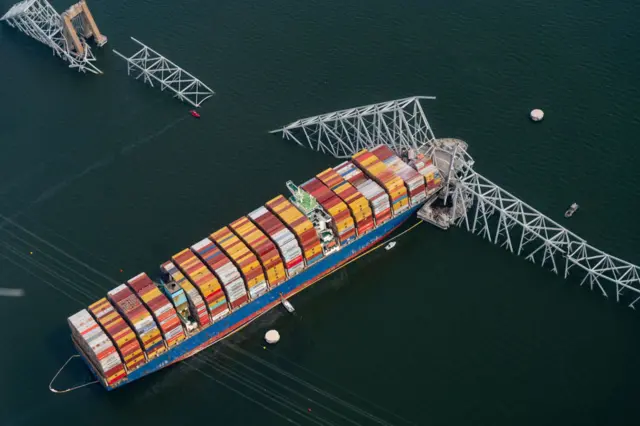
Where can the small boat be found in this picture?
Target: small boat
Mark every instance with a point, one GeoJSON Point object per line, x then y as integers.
{"type": "Point", "coordinates": [571, 210]}
{"type": "Point", "coordinates": [194, 113]}
{"type": "Point", "coordinates": [287, 305]}
{"type": "Point", "coordinates": [391, 245]}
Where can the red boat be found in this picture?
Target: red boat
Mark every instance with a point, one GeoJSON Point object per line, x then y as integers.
{"type": "Point", "coordinates": [194, 113]}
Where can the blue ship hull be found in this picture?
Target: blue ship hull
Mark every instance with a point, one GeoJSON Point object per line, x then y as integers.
{"type": "Point", "coordinates": [253, 310]}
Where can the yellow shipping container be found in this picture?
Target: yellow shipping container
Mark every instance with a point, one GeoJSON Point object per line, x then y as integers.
{"type": "Point", "coordinates": [218, 300]}
{"type": "Point", "coordinates": [105, 319]}
{"type": "Point", "coordinates": [276, 273]}
{"type": "Point", "coordinates": [133, 355]}
{"type": "Point", "coordinates": [129, 336]}
{"type": "Point", "coordinates": [150, 338]}
{"type": "Point", "coordinates": [176, 341]}
{"type": "Point", "coordinates": [149, 296]}
{"type": "Point", "coordinates": [112, 377]}
{"type": "Point", "coordinates": [134, 361]}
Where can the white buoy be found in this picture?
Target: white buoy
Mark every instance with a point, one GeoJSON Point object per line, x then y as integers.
{"type": "Point", "coordinates": [537, 115]}
{"type": "Point", "coordinates": [272, 336]}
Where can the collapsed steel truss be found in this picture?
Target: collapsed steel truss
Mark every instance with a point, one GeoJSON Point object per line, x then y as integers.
{"type": "Point", "coordinates": [155, 67]}
{"type": "Point", "coordinates": [487, 209]}
{"type": "Point", "coordinates": [343, 133]}
{"type": "Point", "coordinates": [39, 20]}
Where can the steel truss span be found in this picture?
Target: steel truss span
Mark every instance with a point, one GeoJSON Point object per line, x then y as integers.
{"type": "Point", "coordinates": [479, 205]}
{"type": "Point", "coordinates": [39, 20]}
{"type": "Point", "coordinates": [154, 67]}
{"type": "Point", "coordinates": [343, 133]}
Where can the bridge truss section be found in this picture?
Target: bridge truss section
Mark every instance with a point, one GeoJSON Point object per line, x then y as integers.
{"type": "Point", "coordinates": [153, 67]}
{"type": "Point", "coordinates": [39, 20]}
{"type": "Point", "coordinates": [401, 123]}
{"type": "Point", "coordinates": [478, 205]}
{"type": "Point", "coordinates": [505, 220]}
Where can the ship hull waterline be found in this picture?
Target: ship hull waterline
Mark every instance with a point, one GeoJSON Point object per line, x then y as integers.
{"type": "Point", "coordinates": [246, 314]}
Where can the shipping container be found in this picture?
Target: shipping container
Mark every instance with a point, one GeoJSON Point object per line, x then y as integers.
{"type": "Point", "coordinates": [374, 193]}
{"type": "Point", "coordinates": [139, 318]}
{"type": "Point", "coordinates": [125, 340]}
{"type": "Point", "coordinates": [243, 259]}
{"type": "Point", "coordinates": [97, 346]}
{"type": "Point", "coordinates": [285, 241]}
{"type": "Point", "coordinates": [358, 205]}
{"type": "Point", "coordinates": [206, 283]}
{"type": "Point", "coordinates": [197, 306]}
{"type": "Point", "coordinates": [160, 307]}
{"type": "Point", "coordinates": [264, 249]}
{"type": "Point", "coordinates": [414, 182]}
{"type": "Point", "coordinates": [385, 177]}
{"type": "Point", "coordinates": [343, 224]}
{"type": "Point", "coordinates": [301, 227]}
{"type": "Point", "coordinates": [429, 171]}
{"type": "Point", "coordinates": [224, 270]}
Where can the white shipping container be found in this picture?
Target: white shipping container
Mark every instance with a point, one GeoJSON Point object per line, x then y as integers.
{"type": "Point", "coordinates": [236, 293]}
{"type": "Point", "coordinates": [143, 323]}
{"type": "Point", "coordinates": [296, 269]}
{"type": "Point", "coordinates": [117, 289]}
{"type": "Point", "coordinates": [220, 315]}
{"type": "Point", "coordinates": [163, 309]}
{"type": "Point", "coordinates": [90, 336]}
{"type": "Point", "coordinates": [237, 285]}
{"type": "Point", "coordinates": [104, 312]}
{"type": "Point", "coordinates": [173, 333]}
{"type": "Point", "coordinates": [111, 361]}
{"type": "Point", "coordinates": [260, 211]}
{"type": "Point", "coordinates": [201, 244]}
{"type": "Point", "coordinates": [258, 290]}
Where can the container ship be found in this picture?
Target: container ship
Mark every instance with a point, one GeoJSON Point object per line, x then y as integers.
{"type": "Point", "coordinates": [220, 284]}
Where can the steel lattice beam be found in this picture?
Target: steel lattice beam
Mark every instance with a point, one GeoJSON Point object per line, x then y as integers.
{"type": "Point", "coordinates": [401, 123]}
{"type": "Point", "coordinates": [39, 20]}
{"type": "Point", "coordinates": [504, 219]}
{"type": "Point", "coordinates": [154, 67]}
{"type": "Point", "coordinates": [479, 205]}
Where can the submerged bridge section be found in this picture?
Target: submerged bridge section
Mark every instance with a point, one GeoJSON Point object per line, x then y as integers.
{"type": "Point", "coordinates": [473, 201]}
{"type": "Point", "coordinates": [65, 33]}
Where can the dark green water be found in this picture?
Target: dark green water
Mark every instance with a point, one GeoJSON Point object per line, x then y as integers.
{"type": "Point", "coordinates": [446, 329]}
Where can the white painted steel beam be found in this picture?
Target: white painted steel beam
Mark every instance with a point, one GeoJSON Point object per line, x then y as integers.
{"type": "Point", "coordinates": [39, 20]}
{"type": "Point", "coordinates": [479, 205]}
{"type": "Point", "coordinates": [401, 123]}
{"type": "Point", "coordinates": [153, 67]}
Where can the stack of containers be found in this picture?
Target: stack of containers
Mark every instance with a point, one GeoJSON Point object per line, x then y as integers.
{"type": "Point", "coordinates": [97, 346]}
{"type": "Point", "coordinates": [283, 238]}
{"type": "Point", "coordinates": [343, 224]}
{"type": "Point", "coordinates": [378, 198]}
{"type": "Point", "coordinates": [413, 181]}
{"type": "Point", "coordinates": [205, 281]}
{"type": "Point", "coordinates": [160, 307]}
{"type": "Point", "coordinates": [120, 332]}
{"type": "Point", "coordinates": [244, 259]}
{"type": "Point", "coordinates": [357, 203]}
{"type": "Point", "coordinates": [225, 270]}
{"type": "Point", "coordinates": [431, 174]}
{"type": "Point", "coordinates": [377, 170]}
{"type": "Point", "coordinates": [300, 225]}
{"type": "Point", "coordinates": [263, 248]}
{"type": "Point", "coordinates": [139, 318]}
{"type": "Point", "coordinates": [196, 304]}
